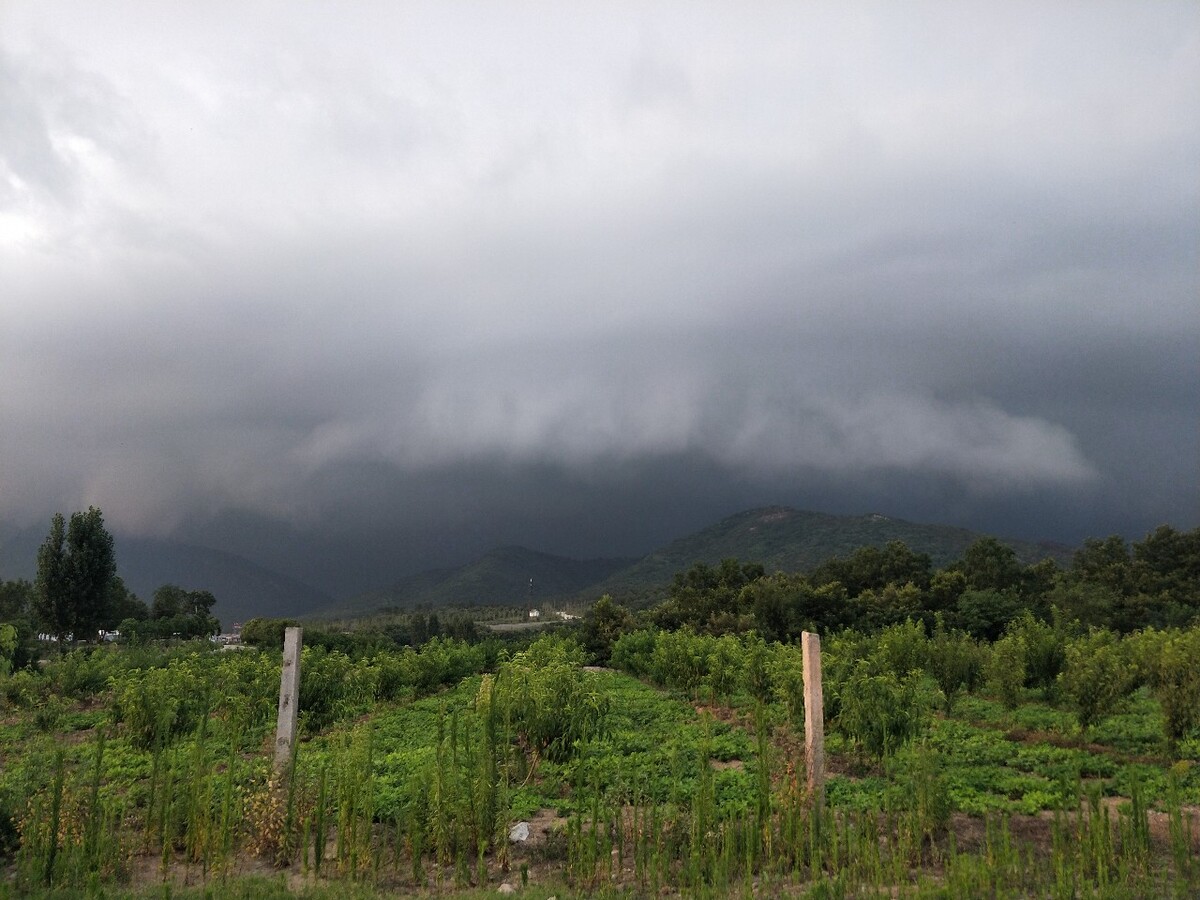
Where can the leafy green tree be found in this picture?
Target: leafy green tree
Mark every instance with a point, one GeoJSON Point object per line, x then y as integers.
{"type": "Point", "coordinates": [945, 588]}
{"type": "Point", "coordinates": [881, 712]}
{"type": "Point", "coordinates": [124, 604]}
{"type": "Point", "coordinates": [1169, 661]}
{"type": "Point", "coordinates": [890, 605]}
{"type": "Point", "coordinates": [1104, 562]}
{"type": "Point", "coordinates": [955, 662]}
{"type": "Point", "coordinates": [872, 568]}
{"type": "Point", "coordinates": [756, 677]}
{"type": "Point", "coordinates": [552, 704]}
{"type": "Point", "coordinates": [1089, 603]}
{"type": "Point", "coordinates": [266, 633]}
{"type": "Point", "coordinates": [167, 602]}
{"type": "Point", "coordinates": [725, 664]}
{"type": "Point", "coordinates": [1045, 651]}
{"type": "Point", "coordinates": [984, 613]}
{"type": "Point", "coordinates": [989, 565]}
{"type": "Point", "coordinates": [787, 678]}
{"type": "Point", "coordinates": [601, 626]}
{"type": "Point", "coordinates": [16, 599]}
{"type": "Point", "coordinates": [1167, 562]}
{"type": "Point", "coordinates": [1004, 669]}
{"type": "Point", "coordinates": [783, 606]}
{"type": "Point", "coordinates": [171, 601]}
{"type": "Point", "coordinates": [8, 647]}
{"type": "Point", "coordinates": [709, 599]}
{"type": "Point", "coordinates": [76, 568]}
{"type": "Point", "coordinates": [1037, 582]}
{"type": "Point", "coordinates": [634, 652]}
{"type": "Point", "coordinates": [1097, 677]}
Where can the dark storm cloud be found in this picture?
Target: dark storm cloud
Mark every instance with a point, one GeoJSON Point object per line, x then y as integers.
{"type": "Point", "coordinates": [532, 275]}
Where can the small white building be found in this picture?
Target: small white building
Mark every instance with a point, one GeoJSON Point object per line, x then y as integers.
{"type": "Point", "coordinates": [535, 614]}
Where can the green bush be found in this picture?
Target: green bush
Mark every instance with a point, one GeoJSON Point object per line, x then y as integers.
{"type": "Point", "coordinates": [158, 705]}
{"type": "Point", "coordinates": [955, 663]}
{"type": "Point", "coordinates": [1174, 677]}
{"type": "Point", "coordinates": [880, 712]}
{"type": "Point", "coordinates": [1097, 677]}
{"type": "Point", "coordinates": [634, 652]}
{"type": "Point", "coordinates": [1004, 670]}
{"type": "Point", "coordinates": [550, 701]}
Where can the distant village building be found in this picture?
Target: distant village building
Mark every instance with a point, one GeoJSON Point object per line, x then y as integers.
{"type": "Point", "coordinates": [535, 614]}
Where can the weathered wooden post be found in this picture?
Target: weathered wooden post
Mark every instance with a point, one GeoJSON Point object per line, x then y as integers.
{"type": "Point", "coordinates": [814, 716]}
{"type": "Point", "coordinates": [289, 698]}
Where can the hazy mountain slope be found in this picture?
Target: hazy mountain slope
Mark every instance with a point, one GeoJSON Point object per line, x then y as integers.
{"type": "Point", "coordinates": [243, 589]}
{"type": "Point", "coordinates": [501, 577]}
{"type": "Point", "coordinates": [778, 537]}
{"type": "Point", "coordinates": [790, 540]}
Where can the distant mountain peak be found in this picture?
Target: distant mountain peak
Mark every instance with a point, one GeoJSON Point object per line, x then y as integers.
{"type": "Point", "coordinates": [780, 538]}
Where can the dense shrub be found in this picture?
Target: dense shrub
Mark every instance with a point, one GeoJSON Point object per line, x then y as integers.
{"type": "Point", "coordinates": [551, 702]}
{"type": "Point", "coordinates": [955, 662]}
{"type": "Point", "coordinates": [634, 652]}
{"type": "Point", "coordinates": [1004, 669]}
{"type": "Point", "coordinates": [157, 705]}
{"type": "Point", "coordinates": [1097, 677]}
{"type": "Point", "coordinates": [882, 711]}
{"type": "Point", "coordinates": [1169, 662]}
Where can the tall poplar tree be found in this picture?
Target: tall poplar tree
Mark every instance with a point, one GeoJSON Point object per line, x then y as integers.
{"type": "Point", "coordinates": [76, 570]}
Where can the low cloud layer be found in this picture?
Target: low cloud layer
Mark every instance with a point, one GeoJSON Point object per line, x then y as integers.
{"type": "Point", "coordinates": [936, 261]}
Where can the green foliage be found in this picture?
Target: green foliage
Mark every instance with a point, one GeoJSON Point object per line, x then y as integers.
{"type": "Point", "coordinates": [552, 704]}
{"type": "Point", "coordinates": [1004, 670]}
{"type": "Point", "coordinates": [266, 633]}
{"type": "Point", "coordinates": [710, 599]}
{"type": "Point", "coordinates": [76, 568]}
{"type": "Point", "coordinates": [756, 677]}
{"type": "Point", "coordinates": [409, 794]}
{"type": "Point", "coordinates": [8, 647]}
{"type": "Point", "coordinates": [1172, 663]}
{"type": "Point", "coordinates": [872, 569]}
{"type": "Point", "coordinates": [179, 628]}
{"type": "Point", "coordinates": [880, 711]}
{"type": "Point", "coordinates": [984, 613]}
{"type": "Point", "coordinates": [955, 661]}
{"type": "Point", "coordinates": [601, 626]}
{"type": "Point", "coordinates": [1097, 677]}
{"type": "Point", "coordinates": [158, 705]}
{"type": "Point", "coordinates": [1045, 651]}
{"type": "Point", "coordinates": [991, 566]}
{"type": "Point", "coordinates": [786, 674]}
{"type": "Point", "coordinates": [16, 599]}
{"type": "Point", "coordinates": [333, 688]}
{"type": "Point", "coordinates": [634, 652]}
{"type": "Point", "coordinates": [183, 613]}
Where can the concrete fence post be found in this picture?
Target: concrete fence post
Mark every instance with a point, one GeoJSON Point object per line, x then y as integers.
{"type": "Point", "coordinates": [814, 716]}
{"type": "Point", "coordinates": [289, 698]}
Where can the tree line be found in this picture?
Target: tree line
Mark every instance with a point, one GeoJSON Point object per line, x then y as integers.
{"type": "Point", "coordinates": [1110, 584]}
{"type": "Point", "coordinates": [77, 594]}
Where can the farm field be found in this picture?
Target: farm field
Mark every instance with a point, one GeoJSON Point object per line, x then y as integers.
{"type": "Point", "coordinates": [678, 769]}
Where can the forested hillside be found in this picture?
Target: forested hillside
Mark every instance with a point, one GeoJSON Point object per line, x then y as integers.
{"type": "Point", "coordinates": [782, 539]}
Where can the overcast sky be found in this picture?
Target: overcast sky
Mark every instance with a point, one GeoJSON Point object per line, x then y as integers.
{"type": "Point", "coordinates": [587, 276]}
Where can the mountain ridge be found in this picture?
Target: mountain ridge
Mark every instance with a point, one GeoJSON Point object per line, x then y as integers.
{"type": "Point", "coordinates": [782, 538]}
{"type": "Point", "coordinates": [505, 576]}
{"type": "Point", "coordinates": [242, 588]}
{"type": "Point", "coordinates": [778, 537]}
